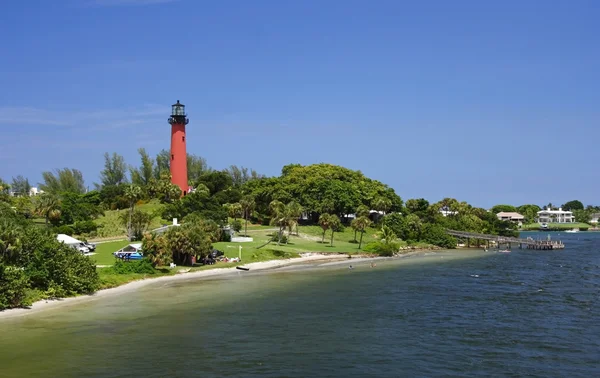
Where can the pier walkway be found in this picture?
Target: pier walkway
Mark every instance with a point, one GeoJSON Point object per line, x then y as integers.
{"type": "Point", "coordinates": [528, 243]}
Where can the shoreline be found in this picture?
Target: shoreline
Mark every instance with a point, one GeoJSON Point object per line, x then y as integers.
{"type": "Point", "coordinates": [48, 304]}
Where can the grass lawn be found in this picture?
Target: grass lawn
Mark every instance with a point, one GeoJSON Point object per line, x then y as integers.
{"type": "Point", "coordinates": [110, 224]}
{"type": "Point", "coordinates": [555, 226]}
{"type": "Point", "coordinates": [308, 241]}
{"type": "Point", "coordinates": [104, 252]}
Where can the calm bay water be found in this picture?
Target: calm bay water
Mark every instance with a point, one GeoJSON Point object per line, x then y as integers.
{"type": "Point", "coordinates": [475, 313]}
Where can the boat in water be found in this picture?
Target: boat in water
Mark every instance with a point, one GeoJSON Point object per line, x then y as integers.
{"type": "Point", "coordinates": [504, 251]}
{"type": "Point", "coordinates": [573, 230]}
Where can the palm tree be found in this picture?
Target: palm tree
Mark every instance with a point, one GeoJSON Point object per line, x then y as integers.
{"type": "Point", "coordinates": [382, 204]}
{"type": "Point", "coordinates": [362, 211]}
{"type": "Point", "coordinates": [235, 210]}
{"type": "Point", "coordinates": [325, 223]}
{"type": "Point", "coordinates": [47, 206]}
{"type": "Point", "coordinates": [10, 241]}
{"type": "Point", "coordinates": [156, 249]}
{"type": "Point", "coordinates": [334, 223]}
{"type": "Point", "coordinates": [387, 235]}
{"type": "Point", "coordinates": [278, 214]}
{"type": "Point", "coordinates": [132, 193]}
{"type": "Point", "coordinates": [293, 212]}
{"type": "Point", "coordinates": [360, 224]}
{"type": "Point", "coordinates": [247, 203]}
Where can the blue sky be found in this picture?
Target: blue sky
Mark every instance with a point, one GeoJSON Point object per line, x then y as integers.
{"type": "Point", "coordinates": [488, 102]}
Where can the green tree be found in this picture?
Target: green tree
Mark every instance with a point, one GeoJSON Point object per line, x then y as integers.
{"type": "Point", "coordinates": [20, 186]}
{"type": "Point", "coordinates": [163, 164]}
{"type": "Point", "coordinates": [241, 175]}
{"type": "Point", "coordinates": [132, 193]}
{"type": "Point", "coordinates": [137, 223]}
{"type": "Point", "coordinates": [63, 180]}
{"type": "Point", "coordinates": [143, 175]}
{"type": "Point", "coordinates": [503, 208]}
{"type": "Point", "coordinates": [196, 167]}
{"type": "Point", "coordinates": [582, 216]}
{"type": "Point", "coordinates": [529, 212]}
{"type": "Point", "coordinates": [386, 235]}
{"type": "Point", "coordinates": [293, 212]}
{"type": "Point", "coordinates": [362, 211]}
{"type": "Point", "coordinates": [360, 224]}
{"type": "Point", "coordinates": [236, 225]}
{"type": "Point", "coordinates": [23, 205]}
{"type": "Point", "coordinates": [382, 204]}
{"type": "Point", "coordinates": [573, 205]}
{"type": "Point", "coordinates": [334, 225]}
{"type": "Point", "coordinates": [115, 170]}
{"type": "Point", "coordinates": [417, 206]}
{"type": "Point", "coordinates": [412, 227]}
{"type": "Point", "coordinates": [47, 205]}
{"type": "Point", "coordinates": [234, 210]}
{"type": "Point", "coordinates": [278, 217]}
{"type": "Point", "coordinates": [186, 241]}
{"type": "Point", "coordinates": [4, 187]}
{"type": "Point", "coordinates": [325, 221]}
{"type": "Point", "coordinates": [248, 203]}
{"type": "Point", "coordinates": [156, 249]}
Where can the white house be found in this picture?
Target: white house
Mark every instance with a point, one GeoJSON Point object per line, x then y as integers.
{"type": "Point", "coordinates": [511, 216]}
{"type": "Point", "coordinates": [555, 216]}
{"type": "Point", "coordinates": [448, 212]}
{"type": "Point", "coordinates": [594, 218]}
{"type": "Point", "coordinates": [34, 191]}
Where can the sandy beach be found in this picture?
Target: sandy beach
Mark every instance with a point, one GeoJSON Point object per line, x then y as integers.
{"type": "Point", "coordinates": [132, 286]}
{"type": "Point", "coordinates": [331, 259]}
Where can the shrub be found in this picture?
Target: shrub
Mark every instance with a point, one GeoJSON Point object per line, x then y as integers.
{"type": "Point", "coordinates": [436, 235]}
{"type": "Point", "coordinates": [84, 227]}
{"type": "Point", "coordinates": [381, 248]}
{"type": "Point", "coordinates": [275, 237]}
{"type": "Point", "coordinates": [143, 266]}
{"type": "Point", "coordinates": [67, 230]}
{"type": "Point", "coordinates": [225, 237]}
{"type": "Point", "coordinates": [236, 225]}
{"type": "Point", "coordinates": [62, 270]}
{"type": "Point", "coordinates": [13, 287]}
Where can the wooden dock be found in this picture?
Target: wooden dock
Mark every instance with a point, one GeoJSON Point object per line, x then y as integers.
{"type": "Point", "coordinates": [528, 243]}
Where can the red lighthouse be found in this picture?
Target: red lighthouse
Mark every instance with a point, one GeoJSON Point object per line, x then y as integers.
{"type": "Point", "coordinates": [178, 120]}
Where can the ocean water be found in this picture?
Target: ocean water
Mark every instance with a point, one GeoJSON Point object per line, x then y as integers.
{"type": "Point", "coordinates": [450, 314]}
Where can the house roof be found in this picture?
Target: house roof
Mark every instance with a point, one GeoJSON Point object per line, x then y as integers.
{"type": "Point", "coordinates": [511, 214]}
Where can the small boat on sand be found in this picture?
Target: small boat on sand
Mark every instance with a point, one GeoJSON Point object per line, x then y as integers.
{"type": "Point", "coordinates": [242, 268]}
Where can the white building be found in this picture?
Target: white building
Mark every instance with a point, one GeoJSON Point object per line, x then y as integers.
{"type": "Point", "coordinates": [594, 218]}
{"type": "Point", "coordinates": [448, 212]}
{"type": "Point", "coordinates": [555, 216]}
{"type": "Point", "coordinates": [511, 216]}
{"type": "Point", "coordinates": [34, 191]}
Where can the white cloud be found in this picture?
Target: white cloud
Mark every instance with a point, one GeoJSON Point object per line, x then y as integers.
{"type": "Point", "coordinates": [106, 119]}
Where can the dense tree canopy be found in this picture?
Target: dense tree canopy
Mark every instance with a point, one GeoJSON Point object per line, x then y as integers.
{"type": "Point", "coordinates": [573, 205]}
{"type": "Point", "coordinates": [33, 264]}
{"type": "Point", "coordinates": [322, 188]}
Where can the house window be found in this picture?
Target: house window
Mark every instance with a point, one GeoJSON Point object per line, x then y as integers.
{"type": "Point", "coordinates": [183, 138]}
{"type": "Point", "coordinates": [172, 157]}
